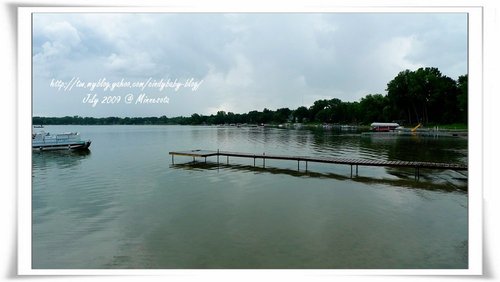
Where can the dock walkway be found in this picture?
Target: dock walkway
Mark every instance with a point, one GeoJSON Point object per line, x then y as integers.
{"type": "Point", "coordinates": [345, 161]}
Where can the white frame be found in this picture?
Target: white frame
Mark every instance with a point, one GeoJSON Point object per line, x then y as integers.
{"type": "Point", "coordinates": [475, 65]}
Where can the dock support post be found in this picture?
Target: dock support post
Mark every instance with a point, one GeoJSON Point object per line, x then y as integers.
{"type": "Point", "coordinates": [193, 159]}
{"type": "Point", "coordinates": [217, 156]}
{"type": "Point", "coordinates": [298, 165]}
{"type": "Point", "coordinates": [172, 158]}
{"type": "Point", "coordinates": [351, 171]}
{"type": "Point", "coordinates": [227, 160]}
{"type": "Point", "coordinates": [356, 170]}
{"type": "Point", "coordinates": [205, 159]}
{"type": "Point", "coordinates": [306, 166]}
{"type": "Point", "coordinates": [254, 160]}
{"type": "Point", "coordinates": [264, 160]}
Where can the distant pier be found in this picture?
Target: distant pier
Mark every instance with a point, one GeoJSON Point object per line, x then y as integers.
{"type": "Point", "coordinates": [354, 163]}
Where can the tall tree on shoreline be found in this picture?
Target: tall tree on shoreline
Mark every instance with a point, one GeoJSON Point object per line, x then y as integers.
{"type": "Point", "coordinates": [424, 95]}
{"type": "Point", "coordinates": [462, 85]}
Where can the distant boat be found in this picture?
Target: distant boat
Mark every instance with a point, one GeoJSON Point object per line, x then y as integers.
{"type": "Point", "coordinates": [37, 126]}
{"type": "Point", "coordinates": [383, 126]}
{"type": "Point", "coordinates": [64, 141]}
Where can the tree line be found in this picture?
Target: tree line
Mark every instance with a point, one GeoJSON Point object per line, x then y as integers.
{"type": "Point", "coordinates": [421, 96]}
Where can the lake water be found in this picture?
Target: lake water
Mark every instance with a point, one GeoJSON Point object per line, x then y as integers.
{"type": "Point", "coordinates": [124, 204]}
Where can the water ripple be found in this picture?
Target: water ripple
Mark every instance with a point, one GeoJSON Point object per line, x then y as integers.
{"type": "Point", "coordinates": [124, 205]}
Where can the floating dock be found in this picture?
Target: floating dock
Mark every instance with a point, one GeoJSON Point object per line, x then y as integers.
{"type": "Point", "coordinates": [305, 159]}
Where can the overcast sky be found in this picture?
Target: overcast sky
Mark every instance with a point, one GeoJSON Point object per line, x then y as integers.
{"type": "Point", "coordinates": [244, 62]}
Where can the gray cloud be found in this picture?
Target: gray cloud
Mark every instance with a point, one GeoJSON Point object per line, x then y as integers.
{"type": "Point", "coordinates": [246, 61]}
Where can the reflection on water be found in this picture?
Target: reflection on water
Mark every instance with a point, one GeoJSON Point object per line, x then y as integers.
{"type": "Point", "coordinates": [124, 205]}
{"type": "Point", "coordinates": [45, 164]}
{"type": "Point", "coordinates": [403, 181]}
{"type": "Point", "coordinates": [58, 158]}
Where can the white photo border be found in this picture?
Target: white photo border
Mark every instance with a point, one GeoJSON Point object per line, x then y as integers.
{"type": "Point", "coordinates": [475, 136]}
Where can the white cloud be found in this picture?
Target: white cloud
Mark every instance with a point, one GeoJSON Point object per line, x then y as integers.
{"type": "Point", "coordinates": [57, 40]}
{"type": "Point", "coordinates": [62, 32]}
{"type": "Point", "coordinates": [130, 64]}
{"type": "Point", "coordinates": [60, 37]}
{"type": "Point", "coordinates": [241, 75]}
{"type": "Point", "coordinates": [393, 55]}
{"type": "Point", "coordinates": [225, 86]}
{"type": "Point", "coordinates": [247, 61]}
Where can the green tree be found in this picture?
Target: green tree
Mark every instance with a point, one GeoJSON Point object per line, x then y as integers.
{"type": "Point", "coordinates": [398, 91]}
{"type": "Point", "coordinates": [301, 114]}
{"type": "Point", "coordinates": [317, 106]}
{"type": "Point", "coordinates": [282, 115]}
{"type": "Point", "coordinates": [196, 119]}
{"type": "Point", "coordinates": [462, 99]}
{"type": "Point", "coordinates": [424, 95]}
{"type": "Point", "coordinates": [324, 115]}
{"type": "Point", "coordinates": [220, 118]}
{"type": "Point", "coordinates": [372, 108]}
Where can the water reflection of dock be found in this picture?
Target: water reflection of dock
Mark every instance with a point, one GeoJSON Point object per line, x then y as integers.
{"type": "Point", "coordinates": [305, 159]}
{"type": "Point", "coordinates": [400, 182]}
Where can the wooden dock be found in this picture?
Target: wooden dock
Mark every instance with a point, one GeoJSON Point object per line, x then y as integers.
{"type": "Point", "coordinates": [306, 159]}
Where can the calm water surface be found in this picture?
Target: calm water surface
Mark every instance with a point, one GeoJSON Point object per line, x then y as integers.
{"type": "Point", "coordinates": [125, 205]}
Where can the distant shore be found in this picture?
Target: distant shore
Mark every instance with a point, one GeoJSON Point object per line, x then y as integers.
{"type": "Point", "coordinates": [451, 130]}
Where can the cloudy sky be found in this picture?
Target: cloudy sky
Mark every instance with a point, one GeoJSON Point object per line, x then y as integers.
{"type": "Point", "coordinates": [243, 61]}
